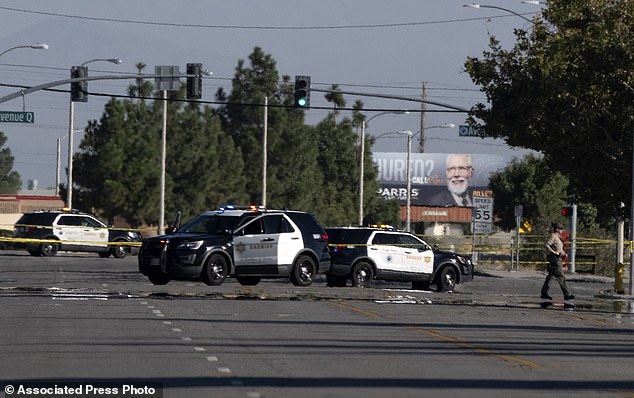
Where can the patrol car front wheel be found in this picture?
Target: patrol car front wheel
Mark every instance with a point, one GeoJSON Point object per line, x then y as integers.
{"type": "Point", "coordinates": [215, 270]}
{"type": "Point", "coordinates": [362, 274]}
{"type": "Point", "coordinates": [304, 271]}
{"type": "Point", "coordinates": [447, 279]}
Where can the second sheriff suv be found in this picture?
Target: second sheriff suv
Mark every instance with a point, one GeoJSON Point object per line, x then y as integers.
{"type": "Point", "coordinates": [365, 254]}
{"type": "Point", "coordinates": [44, 233]}
{"type": "Point", "coordinates": [249, 244]}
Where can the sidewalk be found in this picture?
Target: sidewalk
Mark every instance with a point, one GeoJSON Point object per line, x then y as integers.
{"type": "Point", "coordinates": [524, 288]}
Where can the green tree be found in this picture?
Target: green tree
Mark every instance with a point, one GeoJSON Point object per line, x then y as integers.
{"type": "Point", "coordinates": [10, 181]}
{"type": "Point", "coordinates": [292, 170]}
{"type": "Point", "coordinates": [204, 165]}
{"type": "Point", "coordinates": [529, 182]}
{"type": "Point", "coordinates": [120, 161]}
{"type": "Point", "coordinates": [566, 89]}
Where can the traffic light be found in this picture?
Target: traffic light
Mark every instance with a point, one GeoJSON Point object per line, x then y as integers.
{"type": "Point", "coordinates": [79, 90]}
{"type": "Point", "coordinates": [302, 92]}
{"type": "Point", "coordinates": [194, 83]}
{"type": "Point", "coordinates": [566, 211]}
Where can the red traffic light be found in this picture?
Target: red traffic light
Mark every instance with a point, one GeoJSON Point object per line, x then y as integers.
{"type": "Point", "coordinates": [566, 211]}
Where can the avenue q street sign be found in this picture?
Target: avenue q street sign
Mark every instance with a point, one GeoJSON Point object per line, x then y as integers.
{"type": "Point", "coordinates": [17, 117]}
{"type": "Point", "coordinates": [468, 131]}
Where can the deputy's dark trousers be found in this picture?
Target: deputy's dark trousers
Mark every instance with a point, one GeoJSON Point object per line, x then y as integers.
{"type": "Point", "coordinates": [555, 271]}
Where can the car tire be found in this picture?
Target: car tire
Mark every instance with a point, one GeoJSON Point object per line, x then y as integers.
{"type": "Point", "coordinates": [335, 280]}
{"type": "Point", "coordinates": [48, 249]}
{"type": "Point", "coordinates": [215, 270]}
{"type": "Point", "coordinates": [362, 274]}
{"type": "Point", "coordinates": [446, 280]}
{"type": "Point", "coordinates": [35, 253]}
{"type": "Point", "coordinates": [248, 280]}
{"type": "Point", "coordinates": [303, 272]}
{"type": "Point", "coordinates": [119, 251]}
{"type": "Point", "coordinates": [158, 279]}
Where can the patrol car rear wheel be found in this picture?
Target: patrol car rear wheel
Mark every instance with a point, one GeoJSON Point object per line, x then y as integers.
{"type": "Point", "coordinates": [362, 274]}
{"type": "Point", "coordinates": [303, 272]}
{"type": "Point", "coordinates": [48, 249]}
{"type": "Point", "coordinates": [215, 270]}
{"type": "Point", "coordinates": [447, 279]}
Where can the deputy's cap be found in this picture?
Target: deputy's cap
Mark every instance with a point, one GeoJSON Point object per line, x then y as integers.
{"type": "Point", "coordinates": [556, 225]}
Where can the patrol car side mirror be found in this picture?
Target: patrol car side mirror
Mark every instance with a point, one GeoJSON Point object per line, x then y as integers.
{"type": "Point", "coordinates": [170, 230]}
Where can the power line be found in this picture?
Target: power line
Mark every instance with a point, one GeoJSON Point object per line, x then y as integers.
{"type": "Point", "coordinates": [262, 27]}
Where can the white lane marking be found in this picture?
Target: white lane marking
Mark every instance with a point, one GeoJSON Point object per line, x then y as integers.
{"type": "Point", "coordinates": [177, 330]}
{"type": "Point", "coordinates": [224, 370]}
{"type": "Point", "coordinates": [186, 338]}
{"type": "Point", "coordinates": [199, 349]}
{"type": "Point", "coordinates": [212, 359]}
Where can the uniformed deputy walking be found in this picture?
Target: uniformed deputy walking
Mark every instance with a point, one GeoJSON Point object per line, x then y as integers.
{"type": "Point", "coordinates": [555, 253]}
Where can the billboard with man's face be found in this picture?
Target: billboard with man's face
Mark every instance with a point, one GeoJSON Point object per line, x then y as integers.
{"type": "Point", "coordinates": [437, 179]}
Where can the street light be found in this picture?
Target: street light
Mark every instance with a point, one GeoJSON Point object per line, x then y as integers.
{"type": "Point", "coordinates": [362, 157]}
{"type": "Point", "coordinates": [58, 164]}
{"type": "Point", "coordinates": [408, 177]}
{"type": "Point", "coordinates": [475, 5]}
{"type": "Point", "coordinates": [69, 193]}
{"type": "Point", "coordinates": [423, 138]}
{"type": "Point", "coordinates": [38, 46]}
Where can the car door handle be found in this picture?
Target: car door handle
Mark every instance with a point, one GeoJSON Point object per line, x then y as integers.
{"type": "Point", "coordinates": [374, 248]}
{"type": "Point", "coordinates": [268, 240]}
{"type": "Point", "coordinates": [295, 238]}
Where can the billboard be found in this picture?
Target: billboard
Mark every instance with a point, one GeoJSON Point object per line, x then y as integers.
{"type": "Point", "coordinates": [437, 179]}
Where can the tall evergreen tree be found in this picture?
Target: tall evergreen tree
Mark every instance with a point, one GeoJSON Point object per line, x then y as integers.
{"type": "Point", "coordinates": [10, 181]}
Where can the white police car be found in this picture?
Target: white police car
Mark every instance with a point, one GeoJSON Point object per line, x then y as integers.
{"type": "Point", "coordinates": [248, 243]}
{"type": "Point", "coordinates": [363, 254]}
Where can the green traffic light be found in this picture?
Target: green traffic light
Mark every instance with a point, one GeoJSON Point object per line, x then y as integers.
{"type": "Point", "coordinates": [301, 102]}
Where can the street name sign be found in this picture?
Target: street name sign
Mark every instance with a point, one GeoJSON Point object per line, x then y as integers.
{"type": "Point", "coordinates": [17, 117]}
{"type": "Point", "coordinates": [468, 131]}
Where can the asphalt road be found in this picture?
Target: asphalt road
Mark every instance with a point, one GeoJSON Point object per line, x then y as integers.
{"type": "Point", "coordinates": [89, 320]}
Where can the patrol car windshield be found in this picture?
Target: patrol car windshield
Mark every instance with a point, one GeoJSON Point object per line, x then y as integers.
{"type": "Point", "coordinates": [210, 224]}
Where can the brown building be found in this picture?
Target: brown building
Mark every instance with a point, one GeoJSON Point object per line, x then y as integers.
{"type": "Point", "coordinates": [12, 206]}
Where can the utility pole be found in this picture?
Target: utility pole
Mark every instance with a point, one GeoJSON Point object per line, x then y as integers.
{"type": "Point", "coordinates": [423, 108]}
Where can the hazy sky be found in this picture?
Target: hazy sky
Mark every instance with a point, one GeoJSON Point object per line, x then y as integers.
{"type": "Point", "coordinates": [368, 46]}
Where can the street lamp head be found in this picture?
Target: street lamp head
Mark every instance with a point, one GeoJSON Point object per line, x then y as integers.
{"type": "Point", "coordinates": [115, 61]}
{"type": "Point", "coordinates": [39, 46]}
{"type": "Point", "coordinates": [474, 5]}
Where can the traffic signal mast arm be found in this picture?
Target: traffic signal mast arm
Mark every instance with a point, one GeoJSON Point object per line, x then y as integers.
{"type": "Point", "coordinates": [79, 79]}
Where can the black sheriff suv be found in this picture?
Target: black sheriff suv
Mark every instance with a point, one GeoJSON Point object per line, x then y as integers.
{"type": "Point", "coordinates": [248, 244]}
{"type": "Point", "coordinates": [364, 254]}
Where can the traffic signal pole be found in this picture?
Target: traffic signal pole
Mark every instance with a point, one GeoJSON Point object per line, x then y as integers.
{"type": "Point", "coordinates": [573, 239]}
